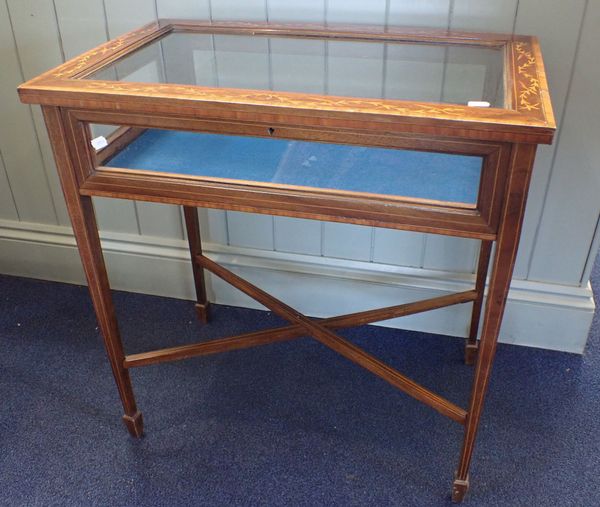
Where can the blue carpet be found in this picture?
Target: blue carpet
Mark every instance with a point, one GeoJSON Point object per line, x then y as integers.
{"type": "Point", "coordinates": [285, 424]}
{"type": "Point", "coordinates": [438, 176]}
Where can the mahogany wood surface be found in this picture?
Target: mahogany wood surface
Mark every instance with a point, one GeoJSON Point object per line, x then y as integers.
{"type": "Point", "coordinates": [85, 229]}
{"type": "Point", "coordinates": [485, 252]}
{"type": "Point", "coordinates": [337, 343]}
{"type": "Point", "coordinates": [294, 331]}
{"type": "Point", "coordinates": [531, 120]}
{"type": "Point", "coordinates": [504, 260]}
{"type": "Point", "coordinates": [316, 203]}
{"type": "Point", "coordinates": [505, 137]}
{"type": "Point", "coordinates": [192, 227]}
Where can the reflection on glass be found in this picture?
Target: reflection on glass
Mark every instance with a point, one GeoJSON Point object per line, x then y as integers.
{"type": "Point", "coordinates": [404, 71]}
{"type": "Point", "coordinates": [416, 174]}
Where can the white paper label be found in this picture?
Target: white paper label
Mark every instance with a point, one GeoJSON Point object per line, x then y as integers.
{"type": "Point", "coordinates": [478, 103]}
{"type": "Point", "coordinates": [99, 142]}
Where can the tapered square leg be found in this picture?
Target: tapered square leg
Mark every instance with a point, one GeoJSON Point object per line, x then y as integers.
{"type": "Point", "coordinates": [192, 226]}
{"type": "Point", "coordinates": [134, 424]}
{"type": "Point", "coordinates": [85, 229]}
{"type": "Point", "coordinates": [459, 489]}
{"type": "Point", "coordinates": [504, 260]}
{"type": "Point", "coordinates": [203, 312]}
{"type": "Point", "coordinates": [471, 346]}
{"type": "Point", "coordinates": [471, 353]}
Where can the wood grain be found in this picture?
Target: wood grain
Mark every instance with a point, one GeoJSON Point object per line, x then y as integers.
{"type": "Point", "coordinates": [505, 138]}
{"type": "Point", "coordinates": [279, 334]}
{"type": "Point", "coordinates": [503, 264]}
{"type": "Point", "coordinates": [338, 344]}
{"type": "Point", "coordinates": [55, 88]}
{"type": "Point", "coordinates": [85, 230]}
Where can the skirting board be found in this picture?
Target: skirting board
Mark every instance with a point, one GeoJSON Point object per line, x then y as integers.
{"type": "Point", "coordinates": [549, 316]}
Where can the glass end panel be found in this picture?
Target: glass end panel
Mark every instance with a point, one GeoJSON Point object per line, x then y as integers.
{"type": "Point", "coordinates": [370, 170]}
{"type": "Point", "coordinates": [364, 69]}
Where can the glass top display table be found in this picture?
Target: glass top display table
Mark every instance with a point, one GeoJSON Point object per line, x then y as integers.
{"type": "Point", "coordinates": [429, 131]}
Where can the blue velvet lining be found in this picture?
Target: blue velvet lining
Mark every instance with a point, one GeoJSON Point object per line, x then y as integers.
{"type": "Point", "coordinates": [439, 176]}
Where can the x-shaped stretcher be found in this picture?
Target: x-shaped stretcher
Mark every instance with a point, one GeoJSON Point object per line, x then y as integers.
{"type": "Point", "coordinates": [301, 325]}
{"type": "Point", "coordinates": [320, 331]}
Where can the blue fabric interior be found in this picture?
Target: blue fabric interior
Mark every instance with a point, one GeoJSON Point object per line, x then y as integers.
{"type": "Point", "coordinates": [438, 176]}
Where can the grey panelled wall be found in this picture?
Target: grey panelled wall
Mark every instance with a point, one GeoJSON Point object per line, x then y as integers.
{"type": "Point", "coordinates": [561, 227]}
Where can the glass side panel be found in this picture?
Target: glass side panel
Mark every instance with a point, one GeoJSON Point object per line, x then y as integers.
{"type": "Point", "coordinates": [403, 71]}
{"type": "Point", "coordinates": [416, 174]}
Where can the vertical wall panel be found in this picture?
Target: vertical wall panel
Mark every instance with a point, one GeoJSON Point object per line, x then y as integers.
{"type": "Point", "coordinates": [538, 17]}
{"type": "Point", "coordinates": [197, 68]}
{"type": "Point", "coordinates": [18, 142]}
{"type": "Point", "coordinates": [450, 254]}
{"type": "Point", "coordinates": [347, 241]}
{"type": "Point", "coordinates": [8, 209]}
{"type": "Point", "coordinates": [82, 27]}
{"type": "Point", "coordinates": [413, 72]}
{"type": "Point", "coordinates": [153, 219]}
{"type": "Point", "coordinates": [38, 40]}
{"type": "Point", "coordinates": [398, 247]}
{"type": "Point", "coordinates": [356, 11]}
{"type": "Point", "coordinates": [244, 229]}
{"type": "Point", "coordinates": [347, 60]}
{"type": "Point", "coordinates": [592, 257]}
{"type": "Point", "coordinates": [122, 16]}
{"type": "Point", "coordinates": [248, 10]}
{"type": "Point", "coordinates": [343, 240]}
{"type": "Point", "coordinates": [297, 65]}
{"type": "Point", "coordinates": [232, 56]}
{"type": "Point", "coordinates": [213, 225]}
{"type": "Point", "coordinates": [418, 81]}
{"type": "Point", "coordinates": [457, 254]}
{"type": "Point", "coordinates": [310, 11]}
{"type": "Point", "coordinates": [469, 75]}
{"type": "Point", "coordinates": [433, 13]}
{"type": "Point", "coordinates": [183, 9]}
{"type": "Point", "coordinates": [190, 62]}
{"type": "Point", "coordinates": [242, 62]}
{"type": "Point", "coordinates": [484, 15]}
{"type": "Point", "coordinates": [250, 230]}
{"type": "Point", "coordinates": [297, 235]}
{"type": "Point", "coordinates": [160, 220]}
{"type": "Point", "coordinates": [573, 203]}
{"type": "Point", "coordinates": [304, 73]}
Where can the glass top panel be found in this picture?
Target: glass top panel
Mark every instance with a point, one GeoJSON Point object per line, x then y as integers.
{"type": "Point", "coordinates": [416, 174]}
{"type": "Point", "coordinates": [383, 70]}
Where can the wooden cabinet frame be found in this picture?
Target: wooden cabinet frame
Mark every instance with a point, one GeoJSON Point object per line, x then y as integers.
{"type": "Point", "coordinates": [478, 221]}
{"type": "Point", "coordinates": [505, 138]}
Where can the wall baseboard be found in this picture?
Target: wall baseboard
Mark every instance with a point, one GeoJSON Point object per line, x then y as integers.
{"type": "Point", "coordinates": [538, 314]}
